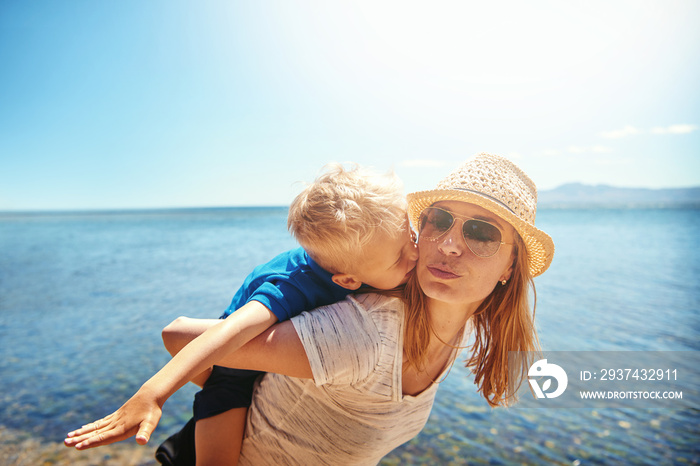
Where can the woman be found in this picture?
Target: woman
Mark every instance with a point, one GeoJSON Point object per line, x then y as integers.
{"type": "Point", "coordinates": [354, 380]}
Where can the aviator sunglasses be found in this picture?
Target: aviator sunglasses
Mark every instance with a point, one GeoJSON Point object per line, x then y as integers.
{"type": "Point", "coordinates": [482, 238]}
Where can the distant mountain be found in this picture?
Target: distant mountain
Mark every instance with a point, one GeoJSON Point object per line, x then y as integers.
{"type": "Point", "coordinates": [581, 195]}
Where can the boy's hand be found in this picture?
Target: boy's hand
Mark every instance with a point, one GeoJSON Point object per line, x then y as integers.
{"type": "Point", "coordinates": [139, 416]}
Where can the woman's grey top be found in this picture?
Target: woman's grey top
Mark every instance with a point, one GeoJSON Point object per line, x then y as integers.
{"type": "Point", "coordinates": [353, 412]}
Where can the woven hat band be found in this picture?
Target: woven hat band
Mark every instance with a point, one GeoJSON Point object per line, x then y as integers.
{"type": "Point", "coordinates": [486, 195]}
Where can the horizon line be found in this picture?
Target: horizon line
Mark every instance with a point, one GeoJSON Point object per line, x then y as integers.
{"type": "Point", "coordinates": [143, 209]}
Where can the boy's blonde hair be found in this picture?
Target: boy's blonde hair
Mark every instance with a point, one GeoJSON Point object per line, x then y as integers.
{"type": "Point", "coordinates": [337, 215]}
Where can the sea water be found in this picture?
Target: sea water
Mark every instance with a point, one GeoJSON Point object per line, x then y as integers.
{"type": "Point", "coordinates": [84, 296]}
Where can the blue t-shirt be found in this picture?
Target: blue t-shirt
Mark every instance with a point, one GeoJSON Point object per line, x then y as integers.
{"type": "Point", "coordinates": [288, 285]}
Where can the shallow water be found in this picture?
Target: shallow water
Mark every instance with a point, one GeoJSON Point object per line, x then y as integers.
{"type": "Point", "coordinates": [83, 298]}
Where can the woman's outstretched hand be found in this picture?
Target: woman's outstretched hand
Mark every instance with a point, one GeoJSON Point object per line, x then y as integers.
{"type": "Point", "coordinates": [139, 416]}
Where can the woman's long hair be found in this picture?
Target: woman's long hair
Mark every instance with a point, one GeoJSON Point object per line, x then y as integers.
{"type": "Point", "coordinates": [502, 323]}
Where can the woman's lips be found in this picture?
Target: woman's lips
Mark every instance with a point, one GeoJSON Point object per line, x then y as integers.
{"type": "Point", "coordinates": [442, 272]}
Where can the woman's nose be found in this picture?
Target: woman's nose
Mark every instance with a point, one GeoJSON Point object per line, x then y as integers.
{"type": "Point", "coordinates": [452, 243]}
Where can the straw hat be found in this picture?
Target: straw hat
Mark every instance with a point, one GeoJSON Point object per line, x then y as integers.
{"type": "Point", "coordinates": [499, 186]}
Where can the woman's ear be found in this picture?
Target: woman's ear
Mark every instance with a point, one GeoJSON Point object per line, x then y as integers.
{"type": "Point", "coordinates": [346, 280]}
{"type": "Point", "coordinates": [509, 271]}
{"type": "Point", "coordinates": [506, 275]}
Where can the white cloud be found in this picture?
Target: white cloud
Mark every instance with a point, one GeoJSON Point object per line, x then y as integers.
{"type": "Point", "coordinates": [607, 161]}
{"type": "Point", "coordinates": [675, 129]}
{"type": "Point", "coordinates": [422, 163]}
{"type": "Point", "coordinates": [628, 130]}
{"type": "Point", "coordinates": [588, 150]}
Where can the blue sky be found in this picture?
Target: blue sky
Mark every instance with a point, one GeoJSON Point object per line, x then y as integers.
{"type": "Point", "coordinates": [138, 104]}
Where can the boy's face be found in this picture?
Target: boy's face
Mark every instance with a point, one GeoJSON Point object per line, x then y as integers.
{"type": "Point", "coordinates": [387, 260]}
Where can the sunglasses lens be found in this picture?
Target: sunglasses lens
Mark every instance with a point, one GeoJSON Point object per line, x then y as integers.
{"type": "Point", "coordinates": [434, 222]}
{"type": "Point", "coordinates": [482, 238]}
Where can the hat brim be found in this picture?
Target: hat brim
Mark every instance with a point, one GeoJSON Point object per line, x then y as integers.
{"type": "Point", "coordinates": [539, 245]}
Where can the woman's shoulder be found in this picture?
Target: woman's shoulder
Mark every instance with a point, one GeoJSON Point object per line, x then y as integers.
{"type": "Point", "coordinates": [385, 311]}
{"type": "Point", "coordinates": [377, 302]}
{"type": "Point", "coordinates": [345, 341]}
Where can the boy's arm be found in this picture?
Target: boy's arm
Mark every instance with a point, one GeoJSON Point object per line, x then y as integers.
{"type": "Point", "coordinates": [276, 350]}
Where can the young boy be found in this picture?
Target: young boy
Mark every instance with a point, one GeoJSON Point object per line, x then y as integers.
{"type": "Point", "coordinates": [353, 230]}
{"type": "Point", "coordinates": [352, 227]}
